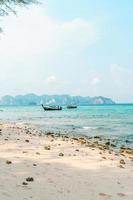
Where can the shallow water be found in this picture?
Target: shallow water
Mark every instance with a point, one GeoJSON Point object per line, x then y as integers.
{"type": "Point", "coordinates": [113, 121]}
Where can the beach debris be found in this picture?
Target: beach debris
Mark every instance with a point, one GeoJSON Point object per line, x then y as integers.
{"type": "Point", "coordinates": [96, 142]}
{"type": "Point", "coordinates": [25, 152]}
{"type": "Point", "coordinates": [121, 194]}
{"type": "Point", "coordinates": [24, 183]}
{"type": "Point", "coordinates": [61, 154]}
{"type": "Point", "coordinates": [97, 137]}
{"type": "Point", "coordinates": [74, 138]}
{"type": "Point", "coordinates": [65, 136]}
{"type": "Point", "coordinates": [104, 195]}
{"type": "Point", "coordinates": [47, 147]}
{"type": "Point", "coordinates": [27, 141]}
{"type": "Point", "coordinates": [8, 162]}
{"type": "Point", "coordinates": [37, 153]}
{"type": "Point", "coordinates": [92, 145]}
{"type": "Point", "coordinates": [82, 141]}
{"type": "Point", "coordinates": [76, 149]}
{"type": "Point", "coordinates": [28, 132]}
{"type": "Point", "coordinates": [121, 166]}
{"type": "Point", "coordinates": [122, 154]}
{"type": "Point", "coordinates": [34, 165]}
{"type": "Point", "coordinates": [107, 143]}
{"type": "Point", "coordinates": [30, 179]}
{"type": "Point", "coordinates": [112, 145]}
{"type": "Point", "coordinates": [123, 147]}
{"type": "Point", "coordinates": [50, 134]}
{"type": "Point", "coordinates": [122, 162]}
{"type": "Point", "coordinates": [129, 151]}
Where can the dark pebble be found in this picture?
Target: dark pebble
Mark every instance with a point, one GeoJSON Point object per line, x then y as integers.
{"type": "Point", "coordinates": [30, 179]}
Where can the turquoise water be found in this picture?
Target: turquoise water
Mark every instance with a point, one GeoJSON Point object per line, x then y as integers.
{"type": "Point", "coordinates": [114, 121]}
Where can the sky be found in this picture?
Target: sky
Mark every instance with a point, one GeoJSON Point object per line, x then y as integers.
{"type": "Point", "coordinates": [69, 47]}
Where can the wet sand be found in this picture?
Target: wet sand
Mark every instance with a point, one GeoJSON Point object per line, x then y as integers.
{"type": "Point", "coordinates": [55, 167]}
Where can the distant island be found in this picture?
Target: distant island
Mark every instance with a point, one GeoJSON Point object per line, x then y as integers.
{"type": "Point", "coordinates": [32, 99]}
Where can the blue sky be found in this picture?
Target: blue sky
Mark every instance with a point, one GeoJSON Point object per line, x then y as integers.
{"type": "Point", "coordinates": [74, 47]}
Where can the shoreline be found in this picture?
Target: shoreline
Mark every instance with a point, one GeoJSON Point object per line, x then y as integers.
{"type": "Point", "coordinates": [52, 166]}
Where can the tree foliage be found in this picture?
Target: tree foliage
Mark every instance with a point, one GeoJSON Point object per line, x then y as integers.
{"type": "Point", "coordinates": [7, 6]}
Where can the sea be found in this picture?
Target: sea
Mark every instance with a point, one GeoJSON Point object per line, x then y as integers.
{"type": "Point", "coordinates": [109, 121]}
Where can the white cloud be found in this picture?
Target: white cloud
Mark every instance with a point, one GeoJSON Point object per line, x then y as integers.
{"type": "Point", "coordinates": [51, 79]}
{"type": "Point", "coordinates": [121, 75]}
{"type": "Point", "coordinates": [95, 81]}
{"type": "Point", "coordinates": [117, 83]}
{"type": "Point", "coordinates": [35, 45]}
{"type": "Point", "coordinates": [36, 33]}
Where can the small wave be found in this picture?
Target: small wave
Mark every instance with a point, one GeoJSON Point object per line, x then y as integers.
{"type": "Point", "coordinates": [89, 128]}
{"type": "Point", "coordinates": [19, 124]}
{"type": "Point", "coordinates": [106, 129]}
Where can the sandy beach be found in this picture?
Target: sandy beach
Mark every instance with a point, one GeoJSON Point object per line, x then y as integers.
{"type": "Point", "coordinates": [53, 167]}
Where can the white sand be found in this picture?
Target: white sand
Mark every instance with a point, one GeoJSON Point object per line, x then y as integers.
{"type": "Point", "coordinates": [78, 175]}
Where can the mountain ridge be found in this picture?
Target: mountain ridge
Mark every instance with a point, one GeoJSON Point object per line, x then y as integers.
{"type": "Point", "coordinates": [64, 99]}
